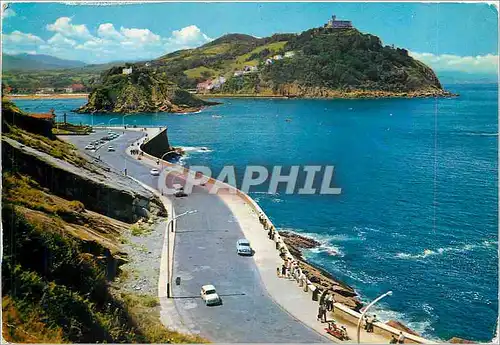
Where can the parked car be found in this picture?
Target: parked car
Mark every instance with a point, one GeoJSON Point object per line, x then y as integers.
{"type": "Point", "coordinates": [154, 172]}
{"type": "Point", "coordinates": [111, 149]}
{"type": "Point", "coordinates": [90, 147]}
{"type": "Point", "coordinates": [209, 295]}
{"type": "Point", "coordinates": [243, 247]}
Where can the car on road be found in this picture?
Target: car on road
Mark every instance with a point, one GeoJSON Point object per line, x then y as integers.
{"type": "Point", "coordinates": [154, 172]}
{"type": "Point", "coordinates": [243, 247]}
{"type": "Point", "coordinates": [90, 147]}
{"type": "Point", "coordinates": [209, 295]}
{"type": "Point", "coordinates": [111, 149]}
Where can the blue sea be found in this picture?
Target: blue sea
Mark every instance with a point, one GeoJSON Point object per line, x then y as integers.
{"type": "Point", "coordinates": [418, 212]}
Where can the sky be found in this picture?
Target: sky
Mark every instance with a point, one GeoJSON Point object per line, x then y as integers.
{"type": "Point", "coordinates": [447, 36]}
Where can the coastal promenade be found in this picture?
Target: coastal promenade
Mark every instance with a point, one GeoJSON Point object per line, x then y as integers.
{"type": "Point", "coordinates": [286, 292]}
{"type": "Point", "coordinates": [258, 305]}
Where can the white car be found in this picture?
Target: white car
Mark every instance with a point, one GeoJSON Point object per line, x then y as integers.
{"type": "Point", "coordinates": [111, 149]}
{"type": "Point", "coordinates": [90, 147]}
{"type": "Point", "coordinates": [154, 172]}
{"type": "Point", "coordinates": [209, 295]}
{"type": "Point", "coordinates": [243, 247]}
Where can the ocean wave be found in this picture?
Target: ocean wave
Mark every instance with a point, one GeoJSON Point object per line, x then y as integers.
{"type": "Point", "coordinates": [440, 251]}
{"type": "Point", "coordinates": [423, 327]}
{"type": "Point", "coordinates": [276, 200]}
{"type": "Point", "coordinates": [480, 134]}
{"type": "Point", "coordinates": [197, 149]}
{"type": "Point", "coordinates": [325, 245]}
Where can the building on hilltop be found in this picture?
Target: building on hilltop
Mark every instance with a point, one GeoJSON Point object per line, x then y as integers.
{"type": "Point", "coordinates": [127, 71]}
{"type": "Point", "coordinates": [338, 24]}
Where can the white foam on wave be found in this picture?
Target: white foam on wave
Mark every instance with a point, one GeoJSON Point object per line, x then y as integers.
{"type": "Point", "coordinates": [423, 327]}
{"type": "Point", "coordinates": [325, 245]}
{"type": "Point", "coordinates": [440, 251]}
{"type": "Point", "coordinates": [197, 149]}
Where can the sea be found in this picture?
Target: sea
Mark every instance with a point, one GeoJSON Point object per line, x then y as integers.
{"type": "Point", "coordinates": [418, 209]}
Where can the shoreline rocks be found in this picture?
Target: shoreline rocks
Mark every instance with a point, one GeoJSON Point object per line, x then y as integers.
{"type": "Point", "coordinates": [343, 293]}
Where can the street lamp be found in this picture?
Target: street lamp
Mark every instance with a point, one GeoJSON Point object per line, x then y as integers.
{"type": "Point", "coordinates": [109, 122]}
{"type": "Point", "coordinates": [166, 153]}
{"type": "Point", "coordinates": [388, 293]}
{"type": "Point", "coordinates": [168, 249]}
{"type": "Point", "coordinates": [123, 119]}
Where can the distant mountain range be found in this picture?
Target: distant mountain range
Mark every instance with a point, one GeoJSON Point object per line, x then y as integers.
{"type": "Point", "coordinates": [449, 77]}
{"type": "Point", "coordinates": [37, 62]}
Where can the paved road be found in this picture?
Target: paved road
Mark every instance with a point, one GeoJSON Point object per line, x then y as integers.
{"type": "Point", "coordinates": [118, 160]}
{"type": "Point", "coordinates": [205, 253]}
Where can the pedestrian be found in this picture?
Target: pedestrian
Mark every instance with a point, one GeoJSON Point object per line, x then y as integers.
{"type": "Point", "coordinates": [283, 270]}
{"type": "Point", "coordinates": [401, 338]}
{"type": "Point", "coordinates": [125, 170]}
{"type": "Point", "coordinates": [320, 312]}
{"type": "Point", "coordinates": [323, 315]}
{"type": "Point", "coordinates": [278, 271]}
{"type": "Point", "coordinates": [393, 340]}
{"type": "Point", "coordinates": [269, 233]}
{"type": "Point", "coordinates": [366, 322]}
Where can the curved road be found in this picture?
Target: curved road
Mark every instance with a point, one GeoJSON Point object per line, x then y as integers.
{"type": "Point", "coordinates": [205, 253]}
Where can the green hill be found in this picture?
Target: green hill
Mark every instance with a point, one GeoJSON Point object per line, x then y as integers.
{"type": "Point", "coordinates": [320, 62]}
{"type": "Point", "coordinates": [326, 63]}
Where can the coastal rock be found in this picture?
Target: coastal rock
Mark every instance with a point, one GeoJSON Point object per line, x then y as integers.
{"type": "Point", "coordinates": [139, 91]}
{"type": "Point", "coordinates": [401, 327]}
{"type": "Point", "coordinates": [457, 340]}
{"type": "Point", "coordinates": [342, 292]}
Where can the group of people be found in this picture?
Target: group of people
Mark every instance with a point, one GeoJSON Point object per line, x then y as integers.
{"type": "Point", "coordinates": [326, 305]}
{"type": "Point", "coordinates": [369, 320]}
{"type": "Point", "coordinates": [398, 340]}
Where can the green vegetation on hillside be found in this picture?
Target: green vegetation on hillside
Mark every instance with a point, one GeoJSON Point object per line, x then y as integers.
{"type": "Point", "coordinates": [142, 90]}
{"type": "Point", "coordinates": [60, 259]}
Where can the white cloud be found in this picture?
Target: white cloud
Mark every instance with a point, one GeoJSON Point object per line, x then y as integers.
{"type": "Point", "coordinates": [470, 64]}
{"type": "Point", "coordinates": [190, 36]}
{"type": "Point", "coordinates": [76, 42]}
{"type": "Point", "coordinates": [63, 26]}
{"type": "Point", "coordinates": [107, 30]}
{"type": "Point", "coordinates": [140, 36]}
{"type": "Point", "coordinates": [60, 40]}
{"type": "Point", "coordinates": [8, 12]}
{"type": "Point", "coordinates": [20, 42]}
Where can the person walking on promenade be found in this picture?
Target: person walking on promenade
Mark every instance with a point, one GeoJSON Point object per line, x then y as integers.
{"type": "Point", "coordinates": [283, 270]}
{"type": "Point", "coordinates": [278, 272]}
{"type": "Point", "coordinates": [323, 313]}
{"type": "Point", "coordinates": [393, 340]}
{"type": "Point", "coordinates": [401, 338]}
{"type": "Point", "coordinates": [320, 312]}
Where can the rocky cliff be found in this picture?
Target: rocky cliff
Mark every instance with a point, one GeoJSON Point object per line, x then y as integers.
{"type": "Point", "coordinates": [140, 91]}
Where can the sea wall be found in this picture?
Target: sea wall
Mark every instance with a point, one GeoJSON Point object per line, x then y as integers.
{"type": "Point", "coordinates": [158, 145]}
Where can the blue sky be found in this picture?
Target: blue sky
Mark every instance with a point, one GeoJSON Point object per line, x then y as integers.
{"type": "Point", "coordinates": [445, 35]}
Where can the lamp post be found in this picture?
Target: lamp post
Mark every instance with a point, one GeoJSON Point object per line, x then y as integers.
{"type": "Point", "coordinates": [123, 119]}
{"type": "Point", "coordinates": [388, 293]}
{"type": "Point", "coordinates": [109, 122]}
{"type": "Point", "coordinates": [168, 249]}
{"type": "Point", "coordinates": [166, 153]}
